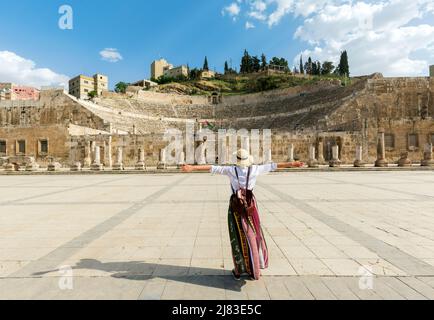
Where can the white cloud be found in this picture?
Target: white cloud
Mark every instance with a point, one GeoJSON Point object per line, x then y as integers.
{"type": "Point", "coordinates": [249, 25]}
{"type": "Point", "coordinates": [257, 10]}
{"type": "Point", "coordinates": [383, 37]}
{"type": "Point", "coordinates": [283, 8]}
{"type": "Point", "coordinates": [110, 55]}
{"type": "Point", "coordinates": [233, 9]}
{"type": "Point", "coordinates": [395, 37]}
{"type": "Point", "coordinates": [257, 15]}
{"type": "Point", "coordinates": [259, 5]}
{"type": "Point", "coordinates": [19, 70]}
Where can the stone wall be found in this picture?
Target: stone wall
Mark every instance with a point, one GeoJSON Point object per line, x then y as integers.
{"type": "Point", "coordinates": [152, 144]}
{"type": "Point", "coordinates": [46, 119]}
{"type": "Point", "coordinates": [323, 115]}
{"type": "Point", "coordinates": [57, 137]}
{"type": "Point", "coordinates": [397, 106]}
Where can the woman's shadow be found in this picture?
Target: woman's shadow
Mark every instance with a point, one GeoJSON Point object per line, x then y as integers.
{"type": "Point", "coordinates": [136, 270]}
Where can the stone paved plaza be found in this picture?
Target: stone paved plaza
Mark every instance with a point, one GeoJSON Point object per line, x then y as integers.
{"type": "Point", "coordinates": [165, 236]}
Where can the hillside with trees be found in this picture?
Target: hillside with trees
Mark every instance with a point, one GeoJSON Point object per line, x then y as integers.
{"type": "Point", "coordinates": [256, 74]}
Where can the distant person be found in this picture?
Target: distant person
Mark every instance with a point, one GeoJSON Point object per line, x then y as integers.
{"type": "Point", "coordinates": [249, 249]}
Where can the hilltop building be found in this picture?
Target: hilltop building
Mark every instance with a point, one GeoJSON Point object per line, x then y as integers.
{"type": "Point", "coordinates": [144, 84]}
{"type": "Point", "coordinates": [207, 74]}
{"type": "Point", "coordinates": [158, 67]}
{"type": "Point", "coordinates": [176, 72]}
{"type": "Point", "coordinates": [161, 68]}
{"type": "Point", "coordinates": [11, 91]}
{"type": "Point", "coordinates": [81, 86]}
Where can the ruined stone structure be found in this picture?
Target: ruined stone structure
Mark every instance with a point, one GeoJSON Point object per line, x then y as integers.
{"type": "Point", "coordinates": [129, 128]}
{"type": "Point", "coordinates": [11, 91]}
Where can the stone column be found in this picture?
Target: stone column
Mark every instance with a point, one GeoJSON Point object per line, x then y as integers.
{"type": "Point", "coordinates": [427, 156]}
{"type": "Point", "coordinates": [88, 154]}
{"type": "Point", "coordinates": [358, 163]}
{"type": "Point", "coordinates": [404, 161]}
{"type": "Point", "coordinates": [245, 143]}
{"type": "Point", "coordinates": [75, 163]}
{"type": "Point", "coordinates": [335, 162]}
{"type": "Point", "coordinates": [200, 154]}
{"type": "Point", "coordinates": [291, 153]}
{"type": "Point", "coordinates": [222, 154]}
{"type": "Point", "coordinates": [97, 155]}
{"type": "Point", "coordinates": [92, 150]}
{"type": "Point", "coordinates": [312, 163]}
{"type": "Point", "coordinates": [10, 167]}
{"type": "Point", "coordinates": [31, 165]}
{"type": "Point", "coordinates": [54, 165]}
{"type": "Point", "coordinates": [228, 156]}
{"type": "Point", "coordinates": [109, 153]}
{"type": "Point", "coordinates": [180, 161]}
{"type": "Point", "coordinates": [268, 157]}
{"type": "Point", "coordinates": [118, 166]}
{"type": "Point", "coordinates": [321, 159]}
{"type": "Point", "coordinates": [96, 165]}
{"type": "Point", "coordinates": [381, 151]}
{"type": "Point", "coordinates": [140, 165]}
{"type": "Point", "coordinates": [162, 163]}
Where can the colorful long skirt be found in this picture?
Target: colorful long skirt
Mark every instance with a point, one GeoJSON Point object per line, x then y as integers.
{"type": "Point", "coordinates": [249, 249]}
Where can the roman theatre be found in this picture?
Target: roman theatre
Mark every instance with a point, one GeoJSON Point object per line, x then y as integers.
{"type": "Point", "coordinates": [312, 121]}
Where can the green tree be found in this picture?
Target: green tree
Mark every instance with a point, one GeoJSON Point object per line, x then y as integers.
{"type": "Point", "coordinates": [263, 62]}
{"type": "Point", "coordinates": [308, 66]}
{"type": "Point", "coordinates": [279, 62]}
{"type": "Point", "coordinates": [164, 80]}
{"type": "Point", "coordinates": [255, 64]}
{"type": "Point", "coordinates": [92, 94]}
{"type": "Point", "coordinates": [314, 69]}
{"type": "Point", "coordinates": [262, 84]}
{"type": "Point", "coordinates": [327, 68]}
{"type": "Point", "coordinates": [205, 65]}
{"type": "Point", "coordinates": [301, 65]}
{"type": "Point", "coordinates": [343, 68]}
{"type": "Point", "coordinates": [229, 70]}
{"type": "Point", "coordinates": [121, 87]}
{"type": "Point", "coordinates": [194, 74]}
{"type": "Point", "coordinates": [318, 68]}
{"type": "Point", "coordinates": [245, 66]}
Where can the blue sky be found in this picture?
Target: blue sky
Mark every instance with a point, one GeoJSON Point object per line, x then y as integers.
{"type": "Point", "coordinates": [185, 31]}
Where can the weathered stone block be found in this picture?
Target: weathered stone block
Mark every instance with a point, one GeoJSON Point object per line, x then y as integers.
{"type": "Point", "coordinates": [118, 167]}
{"type": "Point", "coordinates": [404, 161]}
{"type": "Point", "coordinates": [97, 167]}
{"type": "Point", "coordinates": [32, 166]}
{"type": "Point", "coordinates": [76, 166]}
{"type": "Point", "coordinates": [140, 166]}
{"type": "Point", "coordinates": [54, 166]}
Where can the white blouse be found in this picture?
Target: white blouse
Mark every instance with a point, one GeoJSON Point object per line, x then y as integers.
{"type": "Point", "coordinates": [242, 174]}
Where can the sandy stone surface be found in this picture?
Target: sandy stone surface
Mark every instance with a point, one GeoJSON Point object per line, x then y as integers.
{"type": "Point", "coordinates": [165, 236]}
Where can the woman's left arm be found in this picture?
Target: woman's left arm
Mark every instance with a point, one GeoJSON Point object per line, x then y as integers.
{"type": "Point", "coordinates": [266, 168]}
{"type": "Point", "coordinates": [189, 168]}
{"type": "Point", "coordinates": [295, 164]}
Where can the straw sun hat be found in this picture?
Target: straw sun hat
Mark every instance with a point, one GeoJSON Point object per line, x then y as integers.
{"type": "Point", "coordinates": [244, 159]}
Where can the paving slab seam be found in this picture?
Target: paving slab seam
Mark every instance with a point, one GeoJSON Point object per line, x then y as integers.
{"type": "Point", "coordinates": [71, 247]}
{"type": "Point", "coordinates": [393, 255]}
{"type": "Point", "coordinates": [5, 203]}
